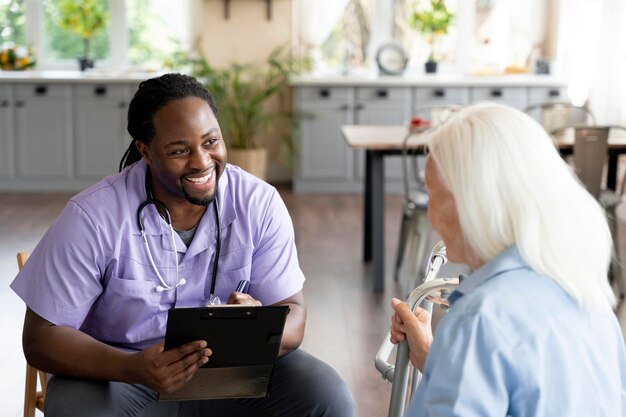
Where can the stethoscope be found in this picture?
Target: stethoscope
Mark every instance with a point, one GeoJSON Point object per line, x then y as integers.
{"type": "Point", "coordinates": [213, 299]}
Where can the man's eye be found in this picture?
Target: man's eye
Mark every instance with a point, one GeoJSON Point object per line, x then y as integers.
{"type": "Point", "coordinates": [211, 141]}
{"type": "Point", "coordinates": [178, 151]}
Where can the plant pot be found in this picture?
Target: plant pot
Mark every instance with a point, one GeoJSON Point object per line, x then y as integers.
{"type": "Point", "coordinates": [252, 160]}
{"type": "Point", "coordinates": [85, 63]}
{"type": "Point", "coordinates": [430, 67]}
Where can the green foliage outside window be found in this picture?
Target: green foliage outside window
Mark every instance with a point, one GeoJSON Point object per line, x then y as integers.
{"type": "Point", "coordinates": [67, 27]}
{"type": "Point", "coordinates": [12, 22]}
{"type": "Point", "coordinates": [432, 22]}
{"type": "Point", "coordinates": [150, 42]}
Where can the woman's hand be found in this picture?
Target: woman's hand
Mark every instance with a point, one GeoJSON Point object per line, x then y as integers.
{"type": "Point", "coordinates": [413, 327]}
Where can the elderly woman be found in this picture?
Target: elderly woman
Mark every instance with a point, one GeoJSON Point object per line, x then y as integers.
{"type": "Point", "coordinates": [531, 332]}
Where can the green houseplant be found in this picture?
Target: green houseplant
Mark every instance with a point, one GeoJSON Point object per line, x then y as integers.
{"type": "Point", "coordinates": [251, 101]}
{"type": "Point", "coordinates": [432, 22]}
{"type": "Point", "coordinates": [84, 18]}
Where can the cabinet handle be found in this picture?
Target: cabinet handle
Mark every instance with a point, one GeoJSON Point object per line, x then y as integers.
{"type": "Point", "coordinates": [41, 90]}
{"type": "Point", "coordinates": [19, 103]}
{"type": "Point", "coordinates": [324, 92]}
{"type": "Point", "coordinates": [496, 93]}
{"type": "Point", "coordinates": [359, 107]}
{"type": "Point", "coordinates": [121, 104]}
{"type": "Point", "coordinates": [382, 93]}
{"type": "Point", "coordinates": [554, 93]}
{"type": "Point", "coordinates": [100, 90]}
{"type": "Point", "coordinates": [344, 107]}
{"type": "Point", "coordinates": [439, 93]}
{"type": "Point", "coordinates": [4, 103]}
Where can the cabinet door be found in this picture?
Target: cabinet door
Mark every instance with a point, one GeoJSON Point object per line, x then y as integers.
{"type": "Point", "coordinates": [100, 124]}
{"type": "Point", "coordinates": [6, 133]}
{"type": "Point", "coordinates": [538, 95]}
{"type": "Point", "coordinates": [324, 153]}
{"type": "Point", "coordinates": [511, 96]}
{"type": "Point", "coordinates": [382, 106]}
{"type": "Point", "coordinates": [43, 131]}
{"type": "Point", "coordinates": [426, 97]}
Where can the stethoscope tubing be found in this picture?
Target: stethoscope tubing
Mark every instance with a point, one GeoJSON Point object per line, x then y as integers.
{"type": "Point", "coordinates": [168, 219]}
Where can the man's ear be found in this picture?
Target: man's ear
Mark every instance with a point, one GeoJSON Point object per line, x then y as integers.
{"type": "Point", "coordinates": [144, 151]}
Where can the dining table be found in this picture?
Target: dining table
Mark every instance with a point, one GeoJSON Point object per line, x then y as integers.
{"type": "Point", "coordinates": [379, 141]}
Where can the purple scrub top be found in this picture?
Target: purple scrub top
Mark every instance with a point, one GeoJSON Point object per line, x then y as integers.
{"type": "Point", "coordinates": [91, 271]}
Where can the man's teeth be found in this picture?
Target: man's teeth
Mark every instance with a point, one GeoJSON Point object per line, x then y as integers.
{"type": "Point", "coordinates": [200, 180]}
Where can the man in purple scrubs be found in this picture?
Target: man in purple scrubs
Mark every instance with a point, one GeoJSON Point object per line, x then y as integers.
{"type": "Point", "coordinates": [98, 288]}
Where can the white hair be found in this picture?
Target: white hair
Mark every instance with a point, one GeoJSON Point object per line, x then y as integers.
{"type": "Point", "coordinates": [511, 186]}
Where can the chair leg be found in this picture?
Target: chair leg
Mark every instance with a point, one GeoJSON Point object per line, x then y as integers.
{"type": "Point", "coordinates": [405, 223]}
{"type": "Point", "coordinates": [615, 271]}
{"type": "Point", "coordinates": [30, 392]}
{"type": "Point", "coordinates": [421, 229]}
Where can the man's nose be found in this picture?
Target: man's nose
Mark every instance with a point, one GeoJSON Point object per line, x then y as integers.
{"type": "Point", "coordinates": [200, 159]}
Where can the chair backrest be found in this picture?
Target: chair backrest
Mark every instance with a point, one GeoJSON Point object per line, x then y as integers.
{"type": "Point", "coordinates": [556, 115]}
{"type": "Point", "coordinates": [590, 154]}
{"type": "Point", "coordinates": [33, 399]}
{"type": "Point", "coordinates": [412, 170]}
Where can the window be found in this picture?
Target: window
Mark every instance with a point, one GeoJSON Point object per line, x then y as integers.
{"type": "Point", "coordinates": [416, 45]}
{"type": "Point", "coordinates": [155, 32]}
{"type": "Point", "coordinates": [61, 44]}
{"type": "Point", "coordinates": [486, 36]}
{"type": "Point", "coordinates": [141, 34]}
{"type": "Point", "coordinates": [347, 44]}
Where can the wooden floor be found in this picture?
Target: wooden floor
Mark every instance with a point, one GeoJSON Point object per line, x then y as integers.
{"type": "Point", "coordinates": [346, 323]}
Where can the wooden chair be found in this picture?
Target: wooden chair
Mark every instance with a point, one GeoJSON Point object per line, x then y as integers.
{"type": "Point", "coordinates": [33, 399]}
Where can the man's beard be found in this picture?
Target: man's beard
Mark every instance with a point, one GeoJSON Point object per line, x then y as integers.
{"type": "Point", "coordinates": [201, 201]}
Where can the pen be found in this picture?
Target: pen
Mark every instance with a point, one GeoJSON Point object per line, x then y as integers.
{"type": "Point", "coordinates": [242, 287]}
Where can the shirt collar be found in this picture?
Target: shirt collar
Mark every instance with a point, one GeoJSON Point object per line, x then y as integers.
{"type": "Point", "coordinates": [509, 259]}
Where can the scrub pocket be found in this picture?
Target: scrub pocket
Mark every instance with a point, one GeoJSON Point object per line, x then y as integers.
{"type": "Point", "coordinates": [126, 311]}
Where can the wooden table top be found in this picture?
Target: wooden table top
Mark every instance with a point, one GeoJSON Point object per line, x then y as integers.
{"type": "Point", "coordinates": [391, 138]}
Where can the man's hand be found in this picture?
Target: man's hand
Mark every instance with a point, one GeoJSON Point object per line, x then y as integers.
{"type": "Point", "coordinates": [242, 298]}
{"type": "Point", "coordinates": [415, 328]}
{"type": "Point", "coordinates": [167, 371]}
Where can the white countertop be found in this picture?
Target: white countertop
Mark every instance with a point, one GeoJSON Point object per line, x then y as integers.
{"type": "Point", "coordinates": [425, 80]}
{"type": "Point", "coordinates": [64, 76]}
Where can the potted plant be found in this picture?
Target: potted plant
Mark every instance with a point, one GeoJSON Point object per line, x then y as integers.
{"type": "Point", "coordinates": [432, 22]}
{"type": "Point", "coordinates": [85, 18]}
{"type": "Point", "coordinates": [242, 93]}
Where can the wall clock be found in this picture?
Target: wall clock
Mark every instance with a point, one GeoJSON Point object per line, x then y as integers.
{"type": "Point", "coordinates": [391, 59]}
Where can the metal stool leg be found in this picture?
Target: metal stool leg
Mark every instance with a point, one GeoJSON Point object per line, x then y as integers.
{"type": "Point", "coordinates": [405, 225]}
{"type": "Point", "coordinates": [420, 230]}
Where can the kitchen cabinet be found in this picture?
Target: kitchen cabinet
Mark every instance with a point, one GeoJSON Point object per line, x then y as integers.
{"type": "Point", "coordinates": [511, 96]}
{"type": "Point", "coordinates": [381, 106]}
{"type": "Point", "coordinates": [325, 162]}
{"type": "Point", "coordinates": [61, 135]}
{"type": "Point", "coordinates": [100, 124]}
{"type": "Point", "coordinates": [425, 97]}
{"type": "Point", "coordinates": [324, 155]}
{"type": "Point", "coordinates": [43, 131]}
{"type": "Point", "coordinates": [6, 132]}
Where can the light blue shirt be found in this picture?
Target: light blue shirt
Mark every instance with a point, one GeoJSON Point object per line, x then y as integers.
{"type": "Point", "coordinates": [515, 344]}
{"type": "Point", "coordinates": [91, 271]}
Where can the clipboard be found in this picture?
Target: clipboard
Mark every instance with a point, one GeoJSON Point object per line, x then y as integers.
{"type": "Point", "coordinates": [245, 341]}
